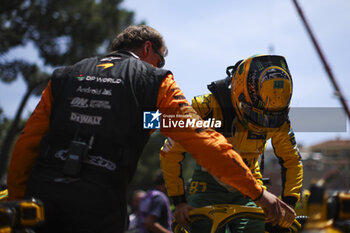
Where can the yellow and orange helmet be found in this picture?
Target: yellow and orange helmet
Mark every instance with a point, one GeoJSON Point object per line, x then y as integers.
{"type": "Point", "coordinates": [261, 91]}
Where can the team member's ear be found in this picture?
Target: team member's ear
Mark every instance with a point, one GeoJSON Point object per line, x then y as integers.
{"type": "Point", "coordinates": [146, 48]}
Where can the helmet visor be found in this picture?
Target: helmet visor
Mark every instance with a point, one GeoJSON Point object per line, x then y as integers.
{"type": "Point", "coordinates": [263, 118]}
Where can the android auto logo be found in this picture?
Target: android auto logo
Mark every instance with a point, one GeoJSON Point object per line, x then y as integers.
{"type": "Point", "coordinates": [151, 120]}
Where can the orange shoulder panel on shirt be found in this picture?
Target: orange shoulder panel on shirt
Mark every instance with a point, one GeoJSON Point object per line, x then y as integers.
{"type": "Point", "coordinates": [26, 148]}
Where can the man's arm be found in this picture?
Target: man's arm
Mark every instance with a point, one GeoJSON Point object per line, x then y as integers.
{"type": "Point", "coordinates": [171, 156]}
{"type": "Point", "coordinates": [153, 225]}
{"type": "Point", "coordinates": [286, 150]}
{"type": "Point", "coordinates": [26, 148]}
{"type": "Point", "coordinates": [155, 213]}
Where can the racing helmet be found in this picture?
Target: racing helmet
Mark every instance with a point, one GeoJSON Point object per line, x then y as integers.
{"type": "Point", "coordinates": [261, 91]}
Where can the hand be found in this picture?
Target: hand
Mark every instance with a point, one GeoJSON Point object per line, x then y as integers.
{"type": "Point", "coordinates": [276, 211]}
{"type": "Point", "coordinates": [181, 214]}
